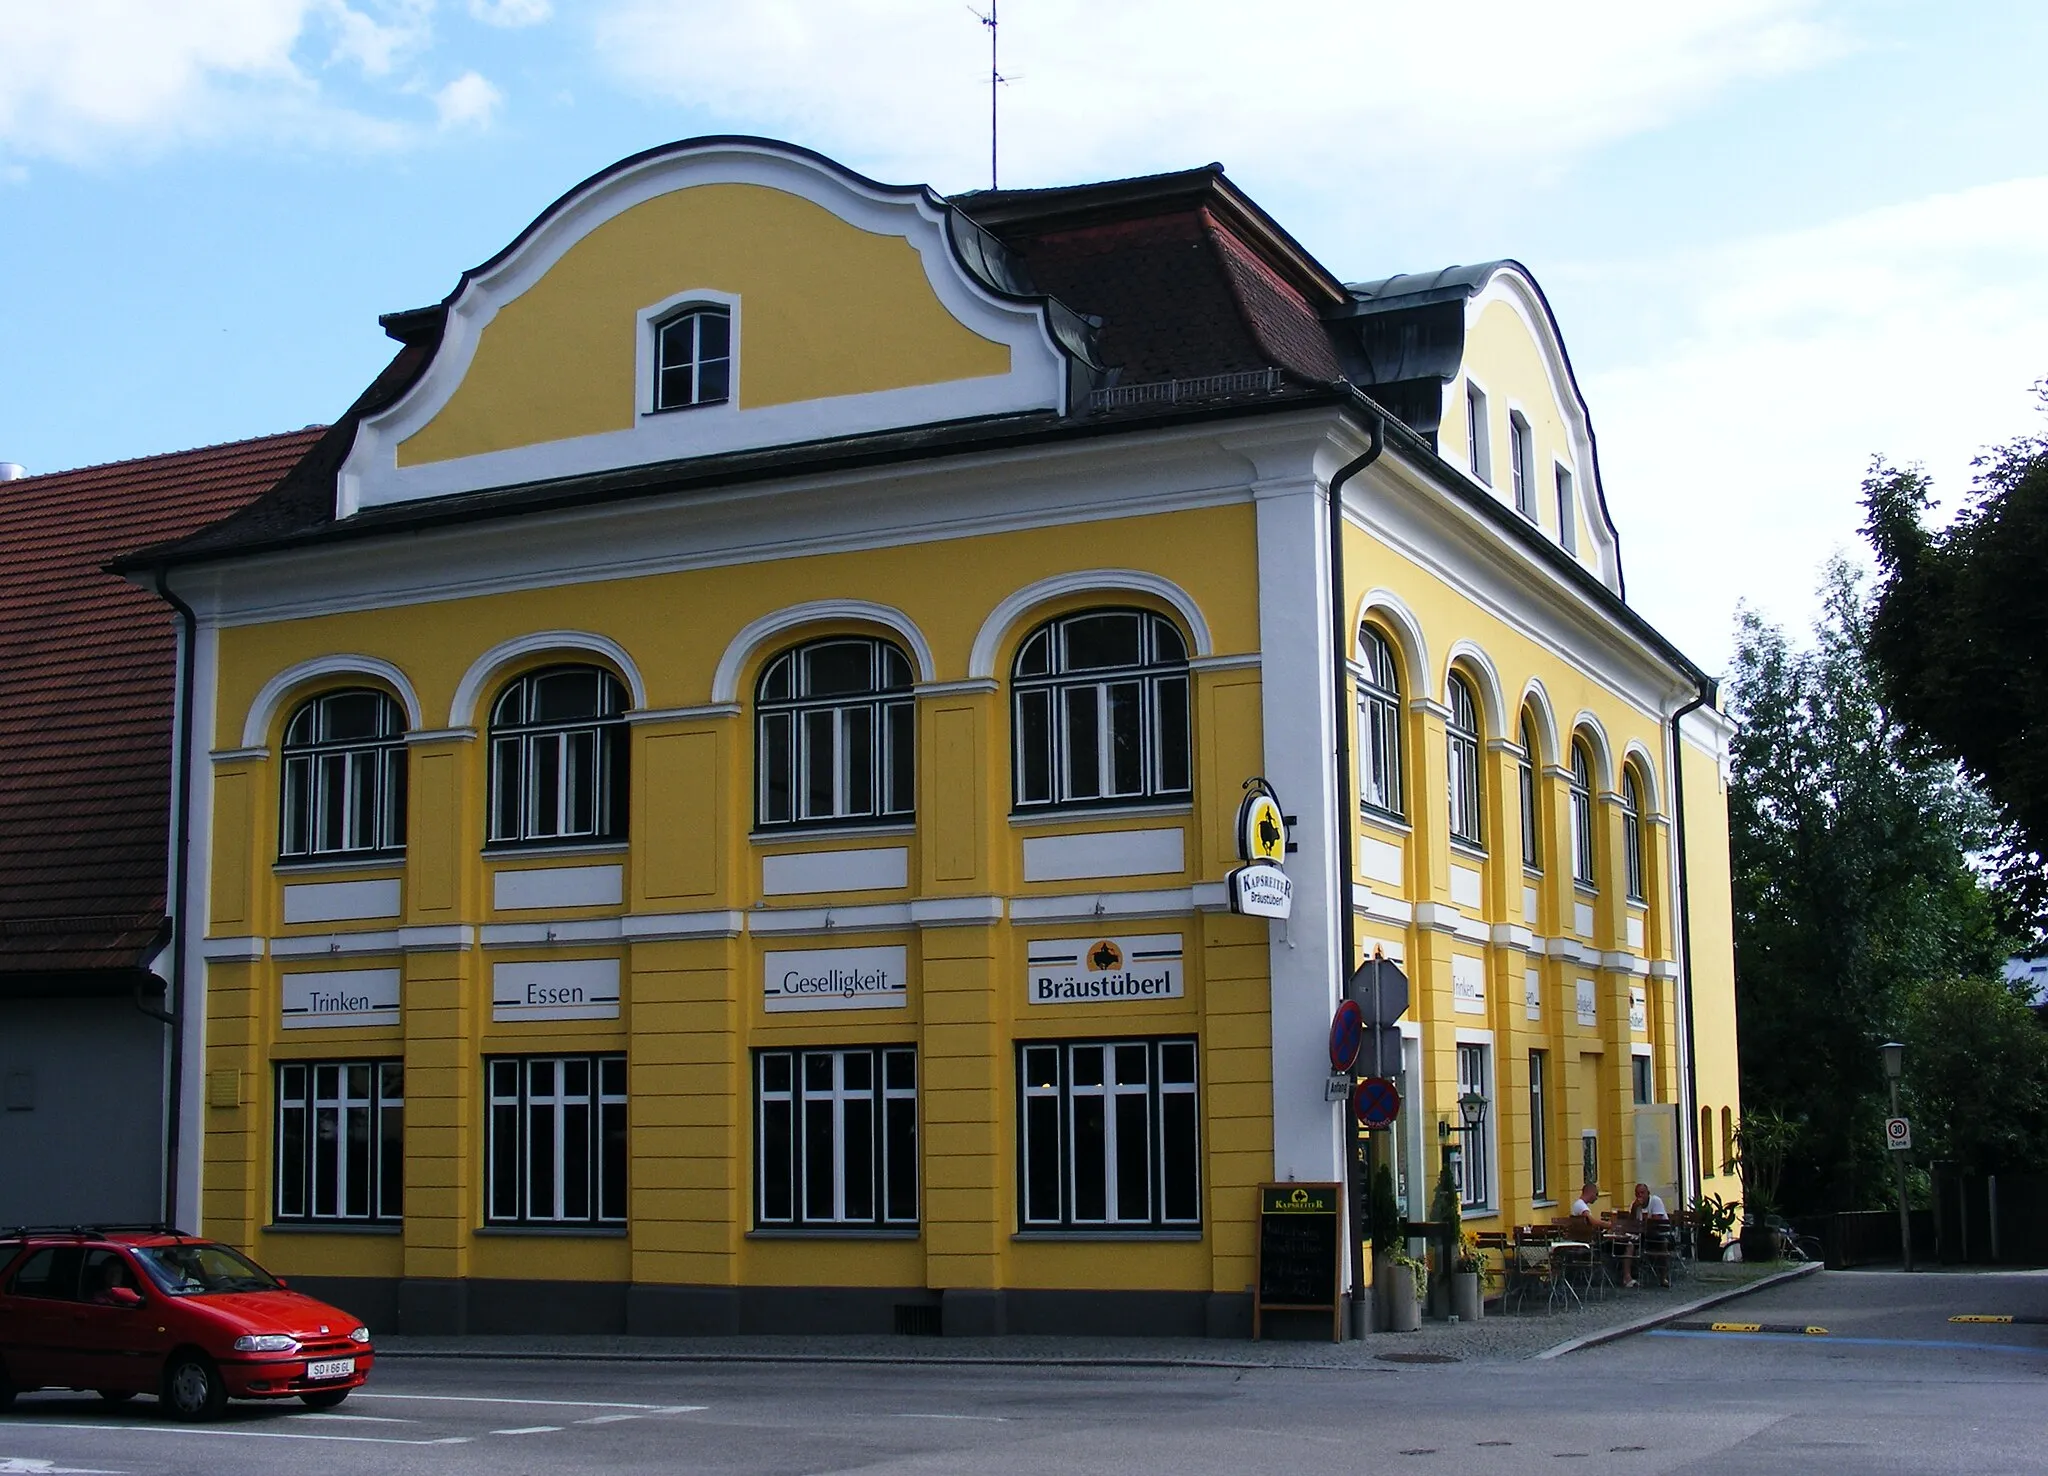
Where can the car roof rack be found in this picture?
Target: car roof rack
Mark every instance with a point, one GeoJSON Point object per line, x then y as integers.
{"type": "Point", "coordinates": [95, 1231]}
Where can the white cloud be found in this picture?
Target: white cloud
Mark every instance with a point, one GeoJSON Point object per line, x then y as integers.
{"type": "Point", "coordinates": [1313, 89]}
{"type": "Point", "coordinates": [511, 13]}
{"type": "Point", "coordinates": [85, 78]}
{"type": "Point", "coordinates": [1735, 446]}
{"type": "Point", "coordinates": [469, 101]}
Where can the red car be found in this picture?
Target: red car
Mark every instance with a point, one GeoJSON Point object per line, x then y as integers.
{"type": "Point", "coordinates": [124, 1311]}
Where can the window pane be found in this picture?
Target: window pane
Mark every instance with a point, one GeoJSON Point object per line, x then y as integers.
{"type": "Point", "coordinates": [895, 670]}
{"type": "Point", "coordinates": [1042, 1160]}
{"type": "Point", "coordinates": [899, 1132]}
{"type": "Point", "coordinates": [393, 819]}
{"type": "Point", "coordinates": [857, 1071]}
{"type": "Point", "coordinates": [1087, 1062]}
{"type": "Point", "coordinates": [544, 752]}
{"type": "Point", "coordinates": [1133, 1156]}
{"type": "Point", "coordinates": [857, 761]}
{"type": "Point", "coordinates": [1168, 649]}
{"type": "Point", "coordinates": [837, 668]}
{"type": "Point", "coordinates": [1034, 747]}
{"type": "Point", "coordinates": [1095, 642]}
{"type": "Point", "coordinates": [612, 1161]}
{"type": "Point", "coordinates": [858, 1124]}
{"type": "Point", "coordinates": [291, 1160]}
{"type": "Point", "coordinates": [576, 1141]}
{"type": "Point", "coordinates": [819, 729]}
{"type": "Point", "coordinates": [776, 768]}
{"type": "Point", "coordinates": [567, 694]}
{"type": "Point", "coordinates": [775, 681]}
{"type": "Point", "coordinates": [391, 1161]}
{"type": "Point", "coordinates": [820, 1148]}
{"type": "Point", "coordinates": [1180, 1176]}
{"type": "Point", "coordinates": [298, 780]}
{"type": "Point", "coordinates": [331, 788]}
{"type": "Point", "coordinates": [1082, 778]}
{"type": "Point", "coordinates": [902, 758]}
{"type": "Point", "coordinates": [778, 1126]}
{"type": "Point", "coordinates": [714, 333]}
{"type": "Point", "coordinates": [505, 788]}
{"type": "Point", "coordinates": [1091, 1160]}
{"type": "Point", "coordinates": [356, 1199]}
{"type": "Point", "coordinates": [505, 1160]}
{"type": "Point", "coordinates": [327, 1143]}
{"type": "Point", "coordinates": [540, 1160]}
{"type": "Point", "coordinates": [1171, 733]}
{"type": "Point", "coordinates": [818, 1071]}
{"type": "Point", "coordinates": [1126, 738]}
{"type": "Point", "coordinates": [581, 755]}
{"type": "Point", "coordinates": [775, 1072]}
{"type": "Point", "coordinates": [1177, 1063]}
{"type": "Point", "coordinates": [1034, 657]}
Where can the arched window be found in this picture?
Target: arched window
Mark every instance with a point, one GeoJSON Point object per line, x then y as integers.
{"type": "Point", "coordinates": [1727, 1140]}
{"type": "Point", "coordinates": [1379, 725]}
{"type": "Point", "coordinates": [693, 358]}
{"type": "Point", "coordinates": [1582, 816]}
{"type": "Point", "coordinates": [1101, 711]}
{"type": "Point", "coordinates": [344, 777]}
{"type": "Point", "coordinates": [1706, 1143]}
{"type": "Point", "coordinates": [835, 741]}
{"type": "Point", "coordinates": [558, 758]}
{"type": "Point", "coordinates": [1462, 735]}
{"type": "Point", "coordinates": [1632, 831]}
{"type": "Point", "coordinates": [1532, 837]}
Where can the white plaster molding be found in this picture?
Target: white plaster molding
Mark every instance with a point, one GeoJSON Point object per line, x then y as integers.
{"type": "Point", "coordinates": [560, 932]}
{"type": "Point", "coordinates": [1536, 700]}
{"type": "Point", "coordinates": [441, 735]}
{"type": "Point", "coordinates": [238, 755]}
{"type": "Point", "coordinates": [1588, 726]}
{"type": "Point", "coordinates": [437, 938]}
{"type": "Point", "coordinates": [1485, 677]}
{"type": "Point", "coordinates": [971, 687]}
{"type": "Point", "coordinates": [1663, 970]}
{"type": "Point", "coordinates": [685, 714]}
{"type": "Point", "coordinates": [1438, 917]}
{"type": "Point", "coordinates": [263, 707]}
{"type": "Point", "coordinates": [868, 917]}
{"type": "Point", "coordinates": [1646, 768]}
{"type": "Point", "coordinates": [1624, 963]}
{"type": "Point", "coordinates": [1411, 647]}
{"type": "Point", "coordinates": [1514, 935]}
{"type": "Point", "coordinates": [462, 712]}
{"type": "Point", "coordinates": [725, 680]}
{"type": "Point", "coordinates": [337, 945]}
{"type": "Point", "coordinates": [231, 950]}
{"type": "Point", "coordinates": [1247, 661]}
{"type": "Point", "coordinates": [956, 912]}
{"type": "Point", "coordinates": [654, 927]}
{"type": "Point", "coordinates": [981, 661]}
{"type": "Point", "coordinates": [1116, 906]}
{"type": "Point", "coordinates": [1431, 707]}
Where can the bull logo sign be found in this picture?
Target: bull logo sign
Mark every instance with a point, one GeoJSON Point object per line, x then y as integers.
{"type": "Point", "coordinates": [1261, 887]}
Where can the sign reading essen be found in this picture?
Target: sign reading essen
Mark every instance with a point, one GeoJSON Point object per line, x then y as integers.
{"type": "Point", "coordinates": [836, 979]}
{"type": "Point", "coordinates": [568, 989]}
{"type": "Point", "coordinates": [340, 997]}
{"type": "Point", "coordinates": [1103, 970]}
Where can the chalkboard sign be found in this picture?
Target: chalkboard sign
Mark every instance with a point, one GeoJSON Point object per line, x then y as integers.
{"type": "Point", "coordinates": [1300, 1253]}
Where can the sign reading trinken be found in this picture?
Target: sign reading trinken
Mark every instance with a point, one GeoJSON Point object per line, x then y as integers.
{"type": "Point", "coordinates": [1100, 970]}
{"type": "Point", "coordinates": [565, 989]}
{"type": "Point", "coordinates": [836, 979]}
{"type": "Point", "coordinates": [340, 997]}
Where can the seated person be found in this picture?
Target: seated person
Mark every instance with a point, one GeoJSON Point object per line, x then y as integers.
{"type": "Point", "coordinates": [1654, 1224]}
{"type": "Point", "coordinates": [1582, 1226]}
{"type": "Point", "coordinates": [111, 1273]}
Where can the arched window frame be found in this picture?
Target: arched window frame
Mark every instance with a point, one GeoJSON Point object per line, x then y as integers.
{"type": "Point", "coordinates": [1461, 740]}
{"type": "Point", "coordinates": [1584, 873]}
{"type": "Point", "coordinates": [1126, 722]}
{"type": "Point", "coordinates": [845, 755]}
{"type": "Point", "coordinates": [342, 794]}
{"type": "Point", "coordinates": [1532, 830]}
{"type": "Point", "coordinates": [693, 356]}
{"type": "Point", "coordinates": [1632, 831]}
{"type": "Point", "coordinates": [1379, 724]}
{"type": "Point", "coordinates": [557, 781]}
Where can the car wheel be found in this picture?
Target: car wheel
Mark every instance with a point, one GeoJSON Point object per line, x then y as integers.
{"type": "Point", "coordinates": [116, 1396]}
{"type": "Point", "coordinates": [193, 1389]}
{"type": "Point", "coordinates": [323, 1398]}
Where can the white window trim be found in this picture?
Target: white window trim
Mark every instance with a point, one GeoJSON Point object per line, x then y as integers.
{"type": "Point", "coordinates": [1465, 1036]}
{"type": "Point", "coordinates": [1567, 527]}
{"type": "Point", "coordinates": [1525, 465]}
{"type": "Point", "coordinates": [644, 324]}
{"type": "Point", "coordinates": [1478, 433]}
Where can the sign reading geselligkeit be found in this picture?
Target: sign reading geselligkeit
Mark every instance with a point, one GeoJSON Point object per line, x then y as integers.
{"type": "Point", "coordinates": [836, 979]}
{"type": "Point", "coordinates": [340, 997]}
{"type": "Point", "coordinates": [1102, 970]}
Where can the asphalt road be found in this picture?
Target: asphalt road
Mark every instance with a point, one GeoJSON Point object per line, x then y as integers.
{"type": "Point", "coordinates": [1893, 1385]}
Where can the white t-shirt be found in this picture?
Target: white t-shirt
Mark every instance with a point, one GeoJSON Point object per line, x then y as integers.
{"type": "Point", "coordinates": [1580, 1207]}
{"type": "Point", "coordinates": [1655, 1209]}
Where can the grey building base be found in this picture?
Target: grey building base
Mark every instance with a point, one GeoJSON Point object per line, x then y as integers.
{"type": "Point", "coordinates": [419, 1306]}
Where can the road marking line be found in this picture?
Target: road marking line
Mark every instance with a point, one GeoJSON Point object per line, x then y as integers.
{"type": "Point", "coordinates": [1834, 1342]}
{"type": "Point", "coordinates": [607, 1419]}
{"type": "Point", "coordinates": [141, 1429]}
{"type": "Point", "coordinates": [989, 1419]}
{"type": "Point", "coordinates": [1979, 1317]}
{"type": "Point", "coordinates": [33, 1466]}
{"type": "Point", "coordinates": [359, 1419]}
{"type": "Point", "coordinates": [531, 1430]}
{"type": "Point", "coordinates": [537, 1403]}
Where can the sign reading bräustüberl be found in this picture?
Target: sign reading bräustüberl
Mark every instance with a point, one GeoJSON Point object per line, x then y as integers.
{"type": "Point", "coordinates": [1102, 970]}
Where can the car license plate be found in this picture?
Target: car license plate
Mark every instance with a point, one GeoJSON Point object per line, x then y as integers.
{"type": "Point", "coordinates": [333, 1368]}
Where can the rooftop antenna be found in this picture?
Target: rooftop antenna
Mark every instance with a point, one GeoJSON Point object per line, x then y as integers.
{"type": "Point", "coordinates": [995, 79]}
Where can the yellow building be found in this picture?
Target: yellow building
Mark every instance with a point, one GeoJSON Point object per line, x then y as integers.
{"type": "Point", "coordinates": [712, 788]}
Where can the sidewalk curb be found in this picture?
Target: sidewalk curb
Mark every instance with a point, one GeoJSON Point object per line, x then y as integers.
{"type": "Point", "coordinates": [1672, 1314]}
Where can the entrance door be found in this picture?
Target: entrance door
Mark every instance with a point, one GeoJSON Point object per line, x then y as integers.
{"type": "Point", "coordinates": [113, 1344]}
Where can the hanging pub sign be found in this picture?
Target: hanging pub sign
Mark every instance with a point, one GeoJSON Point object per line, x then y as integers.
{"type": "Point", "coordinates": [1261, 887]}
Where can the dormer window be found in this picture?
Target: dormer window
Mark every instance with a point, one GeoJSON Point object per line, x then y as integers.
{"type": "Point", "coordinates": [693, 358]}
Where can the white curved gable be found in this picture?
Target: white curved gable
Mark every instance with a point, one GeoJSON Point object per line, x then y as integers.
{"type": "Point", "coordinates": [1037, 379]}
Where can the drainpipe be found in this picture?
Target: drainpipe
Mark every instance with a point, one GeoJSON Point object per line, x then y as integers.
{"type": "Point", "coordinates": [181, 867]}
{"type": "Point", "coordinates": [1341, 638]}
{"type": "Point", "coordinates": [1691, 1091]}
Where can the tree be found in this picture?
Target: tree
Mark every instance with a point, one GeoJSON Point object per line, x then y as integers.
{"type": "Point", "coordinates": [1957, 630]}
{"type": "Point", "coordinates": [1976, 1076]}
{"type": "Point", "coordinates": [1850, 844]}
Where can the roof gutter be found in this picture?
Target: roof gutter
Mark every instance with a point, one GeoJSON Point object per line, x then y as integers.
{"type": "Point", "coordinates": [1690, 1082]}
{"type": "Point", "coordinates": [174, 902]}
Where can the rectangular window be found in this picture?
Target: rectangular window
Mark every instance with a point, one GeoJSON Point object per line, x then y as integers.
{"type": "Point", "coordinates": [1582, 837]}
{"type": "Point", "coordinates": [1379, 757]}
{"type": "Point", "coordinates": [556, 1150]}
{"type": "Point", "coordinates": [340, 1144]}
{"type": "Point", "coordinates": [835, 1134]}
{"type": "Point", "coordinates": [1539, 1126]}
{"type": "Point", "coordinates": [1632, 846]}
{"type": "Point", "coordinates": [1645, 1081]}
{"type": "Point", "coordinates": [1464, 778]}
{"type": "Point", "coordinates": [1567, 512]}
{"type": "Point", "coordinates": [1475, 1167]}
{"type": "Point", "coordinates": [1589, 1156]}
{"type": "Point", "coordinates": [1521, 466]}
{"type": "Point", "coordinates": [1109, 1135]}
{"type": "Point", "coordinates": [1477, 435]}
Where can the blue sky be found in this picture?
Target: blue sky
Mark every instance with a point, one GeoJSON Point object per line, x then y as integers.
{"type": "Point", "coordinates": [1780, 235]}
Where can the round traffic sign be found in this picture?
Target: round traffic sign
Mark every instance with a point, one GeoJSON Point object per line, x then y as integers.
{"type": "Point", "coordinates": [1375, 1102]}
{"type": "Point", "coordinates": [1347, 1034]}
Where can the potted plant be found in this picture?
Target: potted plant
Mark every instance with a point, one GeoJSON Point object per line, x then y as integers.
{"type": "Point", "coordinates": [1467, 1266]}
{"type": "Point", "coordinates": [1445, 1210]}
{"type": "Point", "coordinates": [1406, 1278]}
{"type": "Point", "coordinates": [1713, 1220]}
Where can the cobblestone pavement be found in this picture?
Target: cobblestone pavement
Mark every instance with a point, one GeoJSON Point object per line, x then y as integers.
{"type": "Point", "coordinates": [1495, 1338]}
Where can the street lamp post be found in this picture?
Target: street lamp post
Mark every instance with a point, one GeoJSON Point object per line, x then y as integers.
{"type": "Point", "coordinates": [1894, 1068]}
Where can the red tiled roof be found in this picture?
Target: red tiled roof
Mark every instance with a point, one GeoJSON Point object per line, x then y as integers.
{"type": "Point", "coordinates": [85, 714]}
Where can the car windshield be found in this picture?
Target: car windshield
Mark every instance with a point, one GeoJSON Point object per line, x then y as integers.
{"type": "Point", "coordinates": [198, 1268]}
